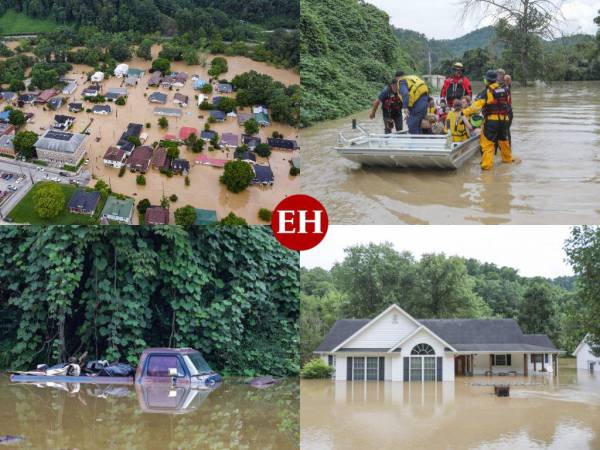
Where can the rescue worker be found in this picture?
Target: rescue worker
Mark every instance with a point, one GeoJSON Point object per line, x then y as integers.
{"type": "Point", "coordinates": [505, 81]}
{"type": "Point", "coordinates": [494, 106]}
{"type": "Point", "coordinates": [456, 85]}
{"type": "Point", "coordinates": [391, 106]}
{"type": "Point", "coordinates": [414, 93]}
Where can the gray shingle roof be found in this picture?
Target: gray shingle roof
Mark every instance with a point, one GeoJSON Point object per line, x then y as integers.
{"type": "Point", "coordinates": [463, 334]}
{"type": "Point", "coordinates": [66, 143]}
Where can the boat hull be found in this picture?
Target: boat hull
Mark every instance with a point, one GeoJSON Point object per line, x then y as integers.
{"type": "Point", "coordinates": [405, 151]}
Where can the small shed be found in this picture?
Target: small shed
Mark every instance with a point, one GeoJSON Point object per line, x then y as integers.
{"type": "Point", "coordinates": [97, 77]}
{"type": "Point", "coordinates": [121, 70]}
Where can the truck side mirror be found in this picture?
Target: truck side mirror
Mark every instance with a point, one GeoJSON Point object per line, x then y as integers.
{"type": "Point", "coordinates": [172, 372]}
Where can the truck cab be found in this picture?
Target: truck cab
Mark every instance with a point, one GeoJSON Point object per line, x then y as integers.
{"type": "Point", "coordinates": [181, 367]}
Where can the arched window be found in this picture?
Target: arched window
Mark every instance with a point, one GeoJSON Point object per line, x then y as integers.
{"type": "Point", "coordinates": [422, 349]}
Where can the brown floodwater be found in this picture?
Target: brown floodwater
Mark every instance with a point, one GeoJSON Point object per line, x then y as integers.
{"type": "Point", "coordinates": [84, 416]}
{"type": "Point", "coordinates": [556, 134]}
{"type": "Point", "coordinates": [541, 413]}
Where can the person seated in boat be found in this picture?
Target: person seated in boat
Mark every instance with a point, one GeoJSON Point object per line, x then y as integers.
{"type": "Point", "coordinates": [391, 107]}
{"type": "Point", "coordinates": [457, 125]}
{"type": "Point", "coordinates": [432, 108]}
{"type": "Point", "coordinates": [443, 110]}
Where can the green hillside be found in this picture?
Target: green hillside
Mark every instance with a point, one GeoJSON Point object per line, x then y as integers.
{"type": "Point", "coordinates": [348, 52]}
{"type": "Point", "coordinates": [12, 22]}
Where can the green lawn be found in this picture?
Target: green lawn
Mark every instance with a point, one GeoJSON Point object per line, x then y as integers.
{"type": "Point", "coordinates": [24, 211]}
{"type": "Point", "coordinates": [13, 22]}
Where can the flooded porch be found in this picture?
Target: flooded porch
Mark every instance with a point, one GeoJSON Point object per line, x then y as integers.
{"type": "Point", "coordinates": [543, 411]}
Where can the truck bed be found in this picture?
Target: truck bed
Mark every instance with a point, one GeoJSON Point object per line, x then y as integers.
{"type": "Point", "coordinates": [22, 378]}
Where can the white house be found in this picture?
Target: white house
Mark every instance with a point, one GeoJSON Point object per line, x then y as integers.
{"type": "Point", "coordinates": [394, 346]}
{"type": "Point", "coordinates": [585, 357]}
{"type": "Point", "coordinates": [97, 77]}
{"type": "Point", "coordinates": [121, 70]}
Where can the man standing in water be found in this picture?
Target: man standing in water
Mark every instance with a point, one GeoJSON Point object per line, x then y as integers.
{"type": "Point", "coordinates": [456, 86]}
{"type": "Point", "coordinates": [493, 102]}
{"type": "Point", "coordinates": [391, 107]}
{"type": "Point", "coordinates": [505, 82]}
{"type": "Point", "coordinates": [415, 95]}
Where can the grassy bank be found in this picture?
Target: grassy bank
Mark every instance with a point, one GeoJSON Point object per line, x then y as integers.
{"type": "Point", "coordinates": [13, 22]}
{"type": "Point", "coordinates": [24, 212]}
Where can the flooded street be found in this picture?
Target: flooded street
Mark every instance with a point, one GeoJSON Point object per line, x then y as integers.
{"type": "Point", "coordinates": [101, 417]}
{"type": "Point", "coordinates": [541, 414]}
{"type": "Point", "coordinates": [556, 134]}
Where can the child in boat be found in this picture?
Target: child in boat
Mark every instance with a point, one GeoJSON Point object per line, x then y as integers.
{"type": "Point", "coordinates": [443, 111]}
{"type": "Point", "coordinates": [476, 120]}
{"type": "Point", "coordinates": [457, 125]}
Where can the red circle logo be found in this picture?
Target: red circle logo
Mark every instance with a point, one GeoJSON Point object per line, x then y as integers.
{"type": "Point", "coordinates": [300, 222]}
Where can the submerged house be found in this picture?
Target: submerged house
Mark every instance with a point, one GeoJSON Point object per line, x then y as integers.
{"type": "Point", "coordinates": [397, 347]}
{"type": "Point", "coordinates": [585, 355]}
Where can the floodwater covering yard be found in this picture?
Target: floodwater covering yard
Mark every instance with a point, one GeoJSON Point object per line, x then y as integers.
{"type": "Point", "coordinates": [545, 413]}
{"type": "Point", "coordinates": [86, 416]}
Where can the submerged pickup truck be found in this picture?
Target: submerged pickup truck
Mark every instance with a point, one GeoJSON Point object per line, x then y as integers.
{"type": "Point", "coordinates": [183, 367]}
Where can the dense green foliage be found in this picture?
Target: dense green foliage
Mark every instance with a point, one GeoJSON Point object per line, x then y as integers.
{"type": "Point", "coordinates": [373, 276]}
{"type": "Point", "coordinates": [349, 51]}
{"type": "Point", "coordinates": [230, 292]}
{"type": "Point", "coordinates": [48, 201]}
{"type": "Point", "coordinates": [185, 216]}
{"type": "Point", "coordinates": [316, 368]}
{"type": "Point", "coordinates": [24, 143]}
{"type": "Point", "coordinates": [237, 176]}
{"type": "Point", "coordinates": [583, 251]}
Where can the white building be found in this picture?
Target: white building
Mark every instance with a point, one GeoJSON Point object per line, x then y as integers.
{"type": "Point", "coordinates": [585, 358]}
{"type": "Point", "coordinates": [394, 346]}
{"type": "Point", "coordinates": [121, 70]}
{"type": "Point", "coordinates": [97, 77]}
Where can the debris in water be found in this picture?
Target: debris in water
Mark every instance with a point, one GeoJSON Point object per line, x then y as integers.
{"type": "Point", "coordinates": [8, 439]}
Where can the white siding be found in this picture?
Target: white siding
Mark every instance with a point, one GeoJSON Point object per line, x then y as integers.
{"type": "Point", "coordinates": [385, 332]}
{"type": "Point", "coordinates": [422, 337]}
{"type": "Point", "coordinates": [448, 367]}
{"type": "Point", "coordinates": [585, 357]}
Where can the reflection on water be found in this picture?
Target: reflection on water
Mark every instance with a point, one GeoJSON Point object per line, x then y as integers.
{"type": "Point", "coordinates": [541, 413]}
{"type": "Point", "coordinates": [556, 134]}
{"type": "Point", "coordinates": [70, 415]}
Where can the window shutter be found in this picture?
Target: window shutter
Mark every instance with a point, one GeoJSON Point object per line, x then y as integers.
{"type": "Point", "coordinates": [330, 360]}
{"type": "Point", "coordinates": [406, 368]}
{"type": "Point", "coordinates": [508, 360]}
{"type": "Point", "coordinates": [349, 368]}
{"type": "Point", "coordinates": [493, 360]}
{"type": "Point", "coordinates": [381, 368]}
{"type": "Point", "coordinates": [439, 368]}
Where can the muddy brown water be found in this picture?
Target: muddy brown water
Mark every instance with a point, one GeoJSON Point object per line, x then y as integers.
{"type": "Point", "coordinates": [544, 413]}
{"type": "Point", "coordinates": [556, 134]}
{"type": "Point", "coordinates": [120, 417]}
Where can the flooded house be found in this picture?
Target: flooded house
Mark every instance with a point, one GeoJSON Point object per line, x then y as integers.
{"type": "Point", "coordinates": [263, 175]}
{"type": "Point", "coordinates": [121, 70]}
{"type": "Point", "coordinates": [45, 96]}
{"type": "Point", "coordinates": [160, 160]}
{"type": "Point", "coordinates": [70, 88]}
{"type": "Point", "coordinates": [230, 140]}
{"type": "Point", "coordinates": [157, 97]}
{"type": "Point", "coordinates": [588, 355]}
{"type": "Point", "coordinates": [84, 202]}
{"type": "Point", "coordinates": [168, 112]}
{"type": "Point", "coordinates": [283, 144]}
{"type": "Point", "coordinates": [62, 122]}
{"type": "Point", "coordinates": [155, 79]}
{"type": "Point", "coordinates": [75, 107]}
{"type": "Point", "coordinates": [186, 132]}
{"type": "Point", "coordinates": [140, 158]}
{"type": "Point", "coordinates": [97, 77]}
{"type": "Point", "coordinates": [118, 210]}
{"type": "Point", "coordinates": [180, 99]}
{"type": "Point", "coordinates": [395, 346]}
{"type": "Point", "coordinates": [218, 115]}
{"type": "Point", "coordinates": [102, 109]}
{"type": "Point", "coordinates": [115, 157]}
{"type": "Point", "coordinates": [224, 88]}
{"type": "Point", "coordinates": [155, 215]}
{"type": "Point", "coordinates": [60, 147]}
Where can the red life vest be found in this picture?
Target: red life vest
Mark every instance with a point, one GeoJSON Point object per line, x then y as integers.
{"type": "Point", "coordinates": [393, 102]}
{"type": "Point", "coordinates": [497, 101]}
{"type": "Point", "coordinates": [456, 89]}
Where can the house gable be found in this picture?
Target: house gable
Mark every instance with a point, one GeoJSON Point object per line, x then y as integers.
{"type": "Point", "coordinates": [383, 331]}
{"type": "Point", "coordinates": [422, 336]}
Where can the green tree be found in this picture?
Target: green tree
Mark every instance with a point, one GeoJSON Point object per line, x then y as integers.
{"type": "Point", "coordinates": [185, 216]}
{"type": "Point", "coordinates": [16, 86]}
{"type": "Point", "coordinates": [24, 143]}
{"type": "Point", "coordinates": [163, 122]}
{"type": "Point", "coordinates": [237, 176]}
{"type": "Point", "coordinates": [48, 200]}
{"type": "Point", "coordinates": [142, 206]}
{"type": "Point", "coordinates": [164, 65]}
{"type": "Point", "coordinates": [265, 214]}
{"type": "Point", "coordinates": [263, 150]}
{"type": "Point", "coordinates": [17, 118]}
{"type": "Point", "coordinates": [144, 50]}
{"type": "Point", "coordinates": [538, 310]}
{"type": "Point", "coordinates": [218, 66]}
{"type": "Point", "coordinates": [251, 126]}
{"type": "Point", "coordinates": [140, 180]}
{"type": "Point", "coordinates": [227, 104]}
{"type": "Point", "coordinates": [232, 219]}
{"type": "Point", "coordinates": [190, 56]}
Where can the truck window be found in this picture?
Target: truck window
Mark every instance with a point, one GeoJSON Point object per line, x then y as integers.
{"type": "Point", "coordinates": [158, 366]}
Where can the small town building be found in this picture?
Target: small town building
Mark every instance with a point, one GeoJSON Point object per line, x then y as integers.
{"type": "Point", "coordinates": [588, 355]}
{"type": "Point", "coordinates": [84, 202]}
{"type": "Point", "coordinates": [180, 166]}
{"type": "Point", "coordinates": [199, 83]}
{"type": "Point", "coordinates": [218, 115]}
{"type": "Point", "coordinates": [75, 107]}
{"type": "Point", "coordinates": [397, 347]}
{"type": "Point", "coordinates": [140, 158]}
{"type": "Point", "coordinates": [157, 97]}
{"type": "Point", "coordinates": [216, 100]}
{"type": "Point", "coordinates": [9, 97]}
{"type": "Point", "coordinates": [230, 140]}
{"type": "Point", "coordinates": [283, 144]}
{"type": "Point", "coordinates": [61, 147]}
{"type": "Point", "coordinates": [247, 156]}
{"type": "Point", "coordinates": [55, 103]}
{"type": "Point", "coordinates": [263, 175]}
{"type": "Point", "coordinates": [91, 91]}
{"type": "Point", "coordinates": [45, 96]}
{"type": "Point", "coordinates": [115, 157]}
{"type": "Point", "coordinates": [118, 210]}
{"type": "Point", "coordinates": [207, 135]}
{"type": "Point", "coordinates": [181, 99]}
{"type": "Point", "coordinates": [262, 119]}
{"type": "Point", "coordinates": [242, 117]}
{"type": "Point", "coordinates": [160, 160]}
{"type": "Point", "coordinates": [186, 132]}
{"type": "Point", "coordinates": [167, 82]}
{"type": "Point", "coordinates": [201, 99]}
{"type": "Point", "coordinates": [155, 215]}
{"type": "Point", "coordinates": [132, 81]}
{"type": "Point", "coordinates": [155, 79]}
{"type": "Point", "coordinates": [115, 93]}
{"type": "Point", "coordinates": [63, 122]}
{"type": "Point", "coordinates": [295, 163]}
{"type": "Point", "coordinates": [179, 79]}
{"type": "Point", "coordinates": [121, 70]}
{"type": "Point", "coordinates": [70, 88]}
{"type": "Point", "coordinates": [205, 216]}
{"type": "Point", "coordinates": [27, 99]}
{"type": "Point", "coordinates": [7, 129]}
{"type": "Point", "coordinates": [250, 141]}
{"type": "Point", "coordinates": [169, 112]}
{"type": "Point", "coordinates": [7, 146]}
{"type": "Point", "coordinates": [101, 109]}
{"type": "Point", "coordinates": [224, 88]}
{"type": "Point", "coordinates": [97, 77]}
{"type": "Point", "coordinates": [136, 73]}
{"type": "Point", "coordinates": [208, 161]}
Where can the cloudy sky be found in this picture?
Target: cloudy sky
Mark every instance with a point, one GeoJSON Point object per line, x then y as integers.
{"type": "Point", "coordinates": [440, 18]}
{"type": "Point", "coordinates": [533, 250]}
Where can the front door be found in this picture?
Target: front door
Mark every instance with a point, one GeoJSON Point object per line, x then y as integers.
{"type": "Point", "coordinates": [459, 365]}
